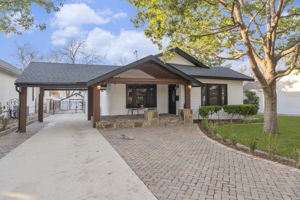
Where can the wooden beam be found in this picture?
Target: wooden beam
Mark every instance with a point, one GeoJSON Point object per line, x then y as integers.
{"type": "Point", "coordinates": [145, 81]}
{"type": "Point", "coordinates": [22, 109]}
{"type": "Point", "coordinates": [187, 97]}
{"type": "Point", "coordinates": [96, 105]}
{"type": "Point", "coordinates": [41, 105]}
{"type": "Point", "coordinates": [90, 103]}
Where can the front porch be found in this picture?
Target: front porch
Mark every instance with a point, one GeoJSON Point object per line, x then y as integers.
{"type": "Point", "coordinates": [151, 118]}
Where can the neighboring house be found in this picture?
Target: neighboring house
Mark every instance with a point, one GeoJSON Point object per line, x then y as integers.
{"type": "Point", "coordinates": [153, 82]}
{"type": "Point", "coordinates": [288, 94]}
{"type": "Point", "coordinates": [8, 76]}
{"type": "Point", "coordinates": [8, 93]}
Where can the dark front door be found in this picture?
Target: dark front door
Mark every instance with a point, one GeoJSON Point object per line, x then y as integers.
{"type": "Point", "coordinates": [172, 99]}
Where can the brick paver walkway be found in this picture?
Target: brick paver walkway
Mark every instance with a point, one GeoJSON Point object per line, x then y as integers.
{"type": "Point", "coordinates": [178, 163]}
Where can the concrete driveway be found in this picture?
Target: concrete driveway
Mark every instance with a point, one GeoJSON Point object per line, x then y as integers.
{"type": "Point", "coordinates": [68, 160]}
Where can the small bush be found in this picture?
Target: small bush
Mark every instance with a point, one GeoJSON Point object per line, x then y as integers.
{"type": "Point", "coordinates": [253, 144]}
{"type": "Point", "coordinates": [205, 124]}
{"type": "Point", "coordinates": [4, 123]}
{"type": "Point", "coordinates": [205, 111]}
{"type": "Point", "coordinates": [252, 98]}
{"type": "Point", "coordinates": [272, 145]}
{"type": "Point", "coordinates": [213, 128]}
{"type": "Point", "coordinates": [297, 151]}
{"type": "Point", "coordinates": [233, 139]}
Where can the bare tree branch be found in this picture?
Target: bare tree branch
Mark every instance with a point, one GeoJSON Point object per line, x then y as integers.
{"type": "Point", "coordinates": [288, 50]}
{"type": "Point", "coordinates": [293, 65]}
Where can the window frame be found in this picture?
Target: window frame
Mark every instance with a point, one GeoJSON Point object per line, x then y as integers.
{"type": "Point", "coordinates": [206, 97]}
{"type": "Point", "coordinates": [141, 86]}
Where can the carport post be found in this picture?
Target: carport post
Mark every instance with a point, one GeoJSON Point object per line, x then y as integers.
{"type": "Point", "coordinates": [22, 109]}
{"type": "Point", "coordinates": [41, 105]}
{"type": "Point", "coordinates": [90, 103]}
{"type": "Point", "coordinates": [187, 96]}
{"type": "Point", "coordinates": [96, 105]}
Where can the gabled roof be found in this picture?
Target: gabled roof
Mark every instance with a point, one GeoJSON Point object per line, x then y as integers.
{"type": "Point", "coordinates": [150, 58]}
{"type": "Point", "coordinates": [8, 68]}
{"type": "Point", "coordinates": [186, 56]}
{"type": "Point", "coordinates": [43, 73]}
{"type": "Point", "coordinates": [213, 72]}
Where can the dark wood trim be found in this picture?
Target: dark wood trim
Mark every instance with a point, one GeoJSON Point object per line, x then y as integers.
{"type": "Point", "coordinates": [96, 105]}
{"type": "Point", "coordinates": [145, 81]}
{"type": "Point", "coordinates": [41, 105]}
{"type": "Point", "coordinates": [90, 103]}
{"type": "Point", "coordinates": [136, 64]}
{"type": "Point", "coordinates": [22, 109]}
{"type": "Point", "coordinates": [187, 97]}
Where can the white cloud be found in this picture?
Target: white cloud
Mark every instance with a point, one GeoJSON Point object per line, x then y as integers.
{"type": "Point", "coordinates": [76, 15]}
{"type": "Point", "coordinates": [118, 49]}
{"type": "Point", "coordinates": [61, 36]}
{"type": "Point", "coordinates": [119, 15]}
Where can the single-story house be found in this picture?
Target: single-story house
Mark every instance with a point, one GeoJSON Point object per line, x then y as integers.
{"type": "Point", "coordinates": [153, 82]}
{"type": "Point", "coordinates": [288, 94]}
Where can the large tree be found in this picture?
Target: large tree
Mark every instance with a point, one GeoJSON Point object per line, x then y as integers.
{"type": "Point", "coordinates": [16, 15]}
{"type": "Point", "coordinates": [267, 32]}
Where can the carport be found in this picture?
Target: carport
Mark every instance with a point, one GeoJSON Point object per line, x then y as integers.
{"type": "Point", "coordinates": [63, 76]}
{"type": "Point", "coordinates": [60, 76]}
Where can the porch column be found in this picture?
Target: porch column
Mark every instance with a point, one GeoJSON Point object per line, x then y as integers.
{"type": "Point", "coordinates": [187, 97]}
{"type": "Point", "coordinates": [96, 105]}
{"type": "Point", "coordinates": [22, 109]}
{"type": "Point", "coordinates": [41, 105]}
{"type": "Point", "coordinates": [90, 103]}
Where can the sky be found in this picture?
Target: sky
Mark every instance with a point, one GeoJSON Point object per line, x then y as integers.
{"type": "Point", "coordinates": [104, 24]}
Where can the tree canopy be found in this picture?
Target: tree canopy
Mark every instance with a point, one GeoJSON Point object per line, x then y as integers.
{"type": "Point", "coordinates": [266, 31]}
{"type": "Point", "coordinates": [211, 29]}
{"type": "Point", "coordinates": [16, 15]}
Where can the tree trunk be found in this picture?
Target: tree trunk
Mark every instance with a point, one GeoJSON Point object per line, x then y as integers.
{"type": "Point", "coordinates": [270, 116]}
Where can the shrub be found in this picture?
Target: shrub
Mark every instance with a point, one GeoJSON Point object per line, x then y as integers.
{"type": "Point", "coordinates": [272, 145]}
{"type": "Point", "coordinates": [252, 98]}
{"type": "Point", "coordinates": [253, 144]}
{"type": "Point", "coordinates": [205, 124]}
{"type": "Point", "coordinates": [4, 123]}
{"type": "Point", "coordinates": [233, 139]}
{"type": "Point", "coordinates": [205, 111]}
{"type": "Point", "coordinates": [244, 110]}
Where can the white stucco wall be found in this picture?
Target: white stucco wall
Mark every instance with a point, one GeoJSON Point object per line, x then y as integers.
{"type": "Point", "coordinates": [234, 89]}
{"type": "Point", "coordinates": [113, 99]}
{"type": "Point", "coordinates": [7, 88]}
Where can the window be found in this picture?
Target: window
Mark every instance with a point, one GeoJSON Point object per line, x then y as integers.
{"type": "Point", "coordinates": [214, 94]}
{"type": "Point", "coordinates": [138, 95]}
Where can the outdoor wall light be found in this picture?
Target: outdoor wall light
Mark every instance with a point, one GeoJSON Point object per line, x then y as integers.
{"type": "Point", "coordinates": [98, 87]}
{"type": "Point", "coordinates": [190, 86]}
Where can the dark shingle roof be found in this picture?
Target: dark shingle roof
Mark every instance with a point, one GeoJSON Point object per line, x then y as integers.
{"type": "Point", "coordinates": [212, 72]}
{"type": "Point", "coordinates": [61, 73]}
{"type": "Point", "coordinates": [4, 66]}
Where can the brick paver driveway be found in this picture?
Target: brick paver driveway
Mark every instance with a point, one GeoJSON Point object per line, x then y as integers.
{"type": "Point", "coordinates": [181, 163]}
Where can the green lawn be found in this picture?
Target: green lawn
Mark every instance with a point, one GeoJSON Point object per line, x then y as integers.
{"type": "Point", "coordinates": [288, 140]}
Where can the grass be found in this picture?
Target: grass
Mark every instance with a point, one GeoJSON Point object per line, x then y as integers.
{"type": "Point", "coordinates": [288, 139]}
